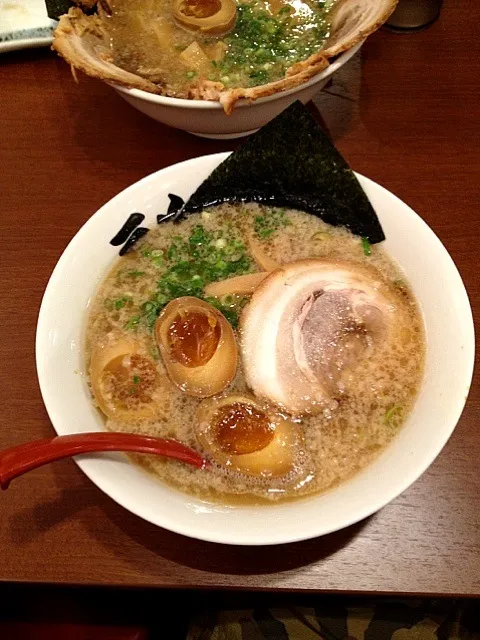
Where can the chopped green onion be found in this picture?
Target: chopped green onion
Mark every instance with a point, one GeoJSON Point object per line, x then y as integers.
{"type": "Point", "coordinates": [230, 306]}
{"type": "Point", "coordinates": [320, 235]}
{"type": "Point", "coordinates": [267, 224]}
{"type": "Point", "coordinates": [366, 246]}
{"type": "Point", "coordinates": [279, 41]}
{"type": "Point", "coordinates": [393, 411]}
{"type": "Point", "coordinates": [132, 323]}
{"type": "Point", "coordinates": [121, 302]}
{"type": "Point", "coordinates": [153, 351]}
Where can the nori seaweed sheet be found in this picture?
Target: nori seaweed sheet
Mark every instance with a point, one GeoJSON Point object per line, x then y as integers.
{"type": "Point", "coordinates": [56, 8]}
{"type": "Point", "coordinates": [291, 163]}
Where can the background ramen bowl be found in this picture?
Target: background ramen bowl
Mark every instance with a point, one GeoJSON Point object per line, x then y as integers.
{"type": "Point", "coordinates": [208, 119]}
{"type": "Point", "coordinates": [449, 364]}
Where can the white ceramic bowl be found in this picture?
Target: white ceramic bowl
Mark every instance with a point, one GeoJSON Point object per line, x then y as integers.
{"type": "Point", "coordinates": [449, 364]}
{"type": "Point", "coordinates": [208, 119]}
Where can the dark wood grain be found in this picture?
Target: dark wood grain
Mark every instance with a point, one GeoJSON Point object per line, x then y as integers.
{"type": "Point", "coordinates": [406, 114]}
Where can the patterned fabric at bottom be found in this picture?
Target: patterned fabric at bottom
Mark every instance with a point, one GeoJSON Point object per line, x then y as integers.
{"type": "Point", "coordinates": [340, 619]}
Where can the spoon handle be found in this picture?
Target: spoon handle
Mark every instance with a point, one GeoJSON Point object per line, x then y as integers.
{"type": "Point", "coordinates": [25, 457]}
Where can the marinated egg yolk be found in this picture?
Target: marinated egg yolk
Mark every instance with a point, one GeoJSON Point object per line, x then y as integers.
{"type": "Point", "coordinates": [129, 378]}
{"type": "Point", "coordinates": [200, 8]}
{"type": "Point", "coordinates": [242, 428]}
{"type": "Point", "coordinates": [193, 338]}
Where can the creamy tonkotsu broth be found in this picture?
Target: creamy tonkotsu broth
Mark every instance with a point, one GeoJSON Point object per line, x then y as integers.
{"type": "Point", "coordinates": [371, 398]}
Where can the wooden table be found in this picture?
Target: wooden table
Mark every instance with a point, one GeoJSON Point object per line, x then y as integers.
{"type": "Point", "coordinates": [407, 117]}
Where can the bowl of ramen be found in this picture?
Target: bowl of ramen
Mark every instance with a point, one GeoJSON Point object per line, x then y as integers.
{"type": "Point", "coordinates": [216, 67]}
{"type": "Point", "coordinates": [207, 118]}
{"type": "Point", "coordinates": [275, 312]}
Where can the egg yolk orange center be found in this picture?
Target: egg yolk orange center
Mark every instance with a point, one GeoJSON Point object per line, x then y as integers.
{"type": "Point", "coordinates": [200, 8]}
{"type": "Point", "coordinates": [193, 338]}
{"type": "Point", "coordinates": [242, 428]}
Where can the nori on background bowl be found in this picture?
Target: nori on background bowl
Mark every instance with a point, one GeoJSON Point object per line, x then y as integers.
{"type": "Point", "coordinates": [56, 8]}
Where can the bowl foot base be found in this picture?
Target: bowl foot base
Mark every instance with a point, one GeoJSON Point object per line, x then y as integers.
{"type": "Point", "coordinates": [223, 136]}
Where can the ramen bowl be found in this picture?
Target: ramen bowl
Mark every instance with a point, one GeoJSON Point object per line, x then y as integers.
{"type": "Point", "coordinates": [436, 284]}
{"type": "Point", "coordinates": [208, 119]}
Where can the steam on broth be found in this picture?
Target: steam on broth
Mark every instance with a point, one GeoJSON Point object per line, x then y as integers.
{"type": "Point", "coordinates": [261, 450]}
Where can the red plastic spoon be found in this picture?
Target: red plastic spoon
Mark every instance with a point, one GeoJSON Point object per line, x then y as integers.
{"type": "Point", "coordinates": [18, 460]}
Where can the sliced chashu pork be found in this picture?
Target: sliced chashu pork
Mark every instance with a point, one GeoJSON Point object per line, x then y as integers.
{"type": "Point", "coordinates": [308, 324]}
{"type": "Point", "coordinates": [84, 42]}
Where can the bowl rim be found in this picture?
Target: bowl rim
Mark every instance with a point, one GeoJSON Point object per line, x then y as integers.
{"type": "Point", "coordinates": [87, 465]}
{"type": "Point", "coordinates": [139, 94]}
